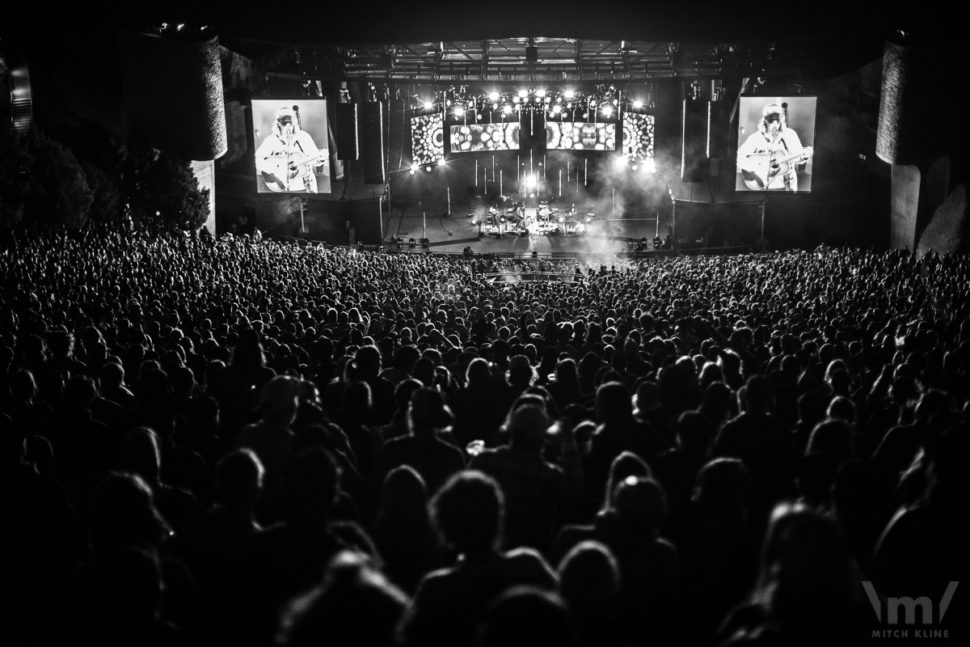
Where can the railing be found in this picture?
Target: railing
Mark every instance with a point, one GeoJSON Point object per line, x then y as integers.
{"type": "Point", "coordinates": [526, 276]}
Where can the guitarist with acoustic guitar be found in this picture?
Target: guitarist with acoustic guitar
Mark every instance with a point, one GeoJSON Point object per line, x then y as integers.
{"type": "Point", "coordinates": [770, 159]}
{"type": "Point", "coordinates": [288, 159]}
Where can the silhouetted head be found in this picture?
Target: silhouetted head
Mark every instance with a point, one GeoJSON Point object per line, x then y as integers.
{"type": "Point", "coordinates": [140, 453]}
{"type": "Point", "coordinates": [279, 399]}
{"type": "Point", "coordinates": [428, 411]}
{"type": "Point", "coordinates": [122, 513]}
{"type": "Point", "coordinates": [589, 576]}
{"type": "Point", "coordinates": [723, 486]}
{"type": "Point", "coordinates": [239, 479]}
{"type": "Point", "coordinates": [403, 493]}
{"type": "Point", "coordinates": [354, 605]}
{"type": "Point", "coordinates": [525, 617]}
{"type": "Point", "coordinates": [527, 426]}
{"type": "Point", "coordinates": [613, 403]}
{"type": "Point", "coordinates": [806, 580]}
{"type": "Point", "coordinates": [641, 504]}
{"type": "Point", "coordinates": [468, 511]}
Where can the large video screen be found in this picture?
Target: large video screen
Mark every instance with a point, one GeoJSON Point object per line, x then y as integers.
{"type": "Point", "coordinates": [427, 139]}
{"type": "Point", "coordinates": [776, 137]}
{"type": "Point", "coordinates": [638, 132]}
{"type": "Point", "coordinates": [292, 153]}
{"type": "Point", "coordinates": [580, 136]}
{"type": "Point", "coordinates": [472, 138]}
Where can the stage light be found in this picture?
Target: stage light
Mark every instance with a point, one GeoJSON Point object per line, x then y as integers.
{"type": "Point", "coordinates": [540, 92]}
{"type": "Point", "coordinates": [428, 105]}
{"type": "Point", "coordinates": [556, 109]}
{"type": "Point", "coordinates": [523, 94]}
{"type": "Point", "coordinates": [441, 161]}
{"type": "Point", "coordinates": [414, 169]}
{"type": "Point", "coordinates": [428, 168]}
{"type": "Point", "coordinates": [530, 182]}
{"type": "Point", "coordinates": [569, 94]}
{"type": "Point", "coordinates": [459, 112]}
{"type": "Point", "coordinates": [507, 109]}
{"type": "Point", "coordinates": [494, 106]}
{"type": "Point", "coordinates": [619, 162]}
{"type": "Point", "coordinates": [634, 166]}
{"type": "Point", "coordinates": [493, 96]}
{"type": "Point", "coordinates": [638, 104]}
{"type": "Point", "coordinates": [607, 110]}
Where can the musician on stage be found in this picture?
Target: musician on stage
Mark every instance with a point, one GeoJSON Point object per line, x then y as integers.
{"type": "Point", "coordinates": [288, 158]}
{"type": "Point", "coordinates": [772, 158]}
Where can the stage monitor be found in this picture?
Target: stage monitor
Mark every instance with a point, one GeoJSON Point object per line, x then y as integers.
{"type": "Point", "coordinates": [580, 136]}
{"type": "Point", "coordinates": [427, 139]}
{"type": "Point", "coordinates": [638, 132]}
{"type": "Point", "coordinates": [292, 154]}
{"type": "Point", "coordinates": [776, 137]}
{"type": "Point", "coordinates": [473, 138]}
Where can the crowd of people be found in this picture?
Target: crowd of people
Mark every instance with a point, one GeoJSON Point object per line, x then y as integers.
{"type": "Point", "coordinates": [253, 442]}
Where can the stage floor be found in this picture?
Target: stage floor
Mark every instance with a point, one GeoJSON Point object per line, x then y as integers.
{"type": "Point", "coordinates": [469, 226]}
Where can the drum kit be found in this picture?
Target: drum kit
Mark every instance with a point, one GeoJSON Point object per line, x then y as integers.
{"type": "Point", "coordinates": [546, 214]}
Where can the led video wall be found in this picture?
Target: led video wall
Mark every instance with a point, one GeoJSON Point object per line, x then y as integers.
{"type": "Point", "coordinates": [775, 144]}
{"type": "Point", "coordinates": [292, 154]}
{"type": "Point", "coordinates": [580, 136]}
{"type": "Point", "coordinates": [472, 138]}
{"type": "Point", "coordinates": [638, 135]}
{"type": "Point", "coordinates": [427, 139]}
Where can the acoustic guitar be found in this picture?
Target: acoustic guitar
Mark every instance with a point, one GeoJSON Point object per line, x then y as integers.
{"type": "Point", "coordinates": [765, 167]}
{"type": "Point", "coordinates": [292, 173]}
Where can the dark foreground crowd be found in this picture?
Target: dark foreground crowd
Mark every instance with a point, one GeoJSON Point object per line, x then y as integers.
{"type": "Point", "coordinates": [240, 442]}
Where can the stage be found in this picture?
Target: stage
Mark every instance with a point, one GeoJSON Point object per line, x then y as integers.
{"type": "Point", "coordinates": [521, 228]}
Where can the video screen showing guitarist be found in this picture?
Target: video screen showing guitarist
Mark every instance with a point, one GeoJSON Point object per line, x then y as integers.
{"type": "Point", "coordinates": [288, 160]}
{"type": "Point", "coordinates": [773, 158]}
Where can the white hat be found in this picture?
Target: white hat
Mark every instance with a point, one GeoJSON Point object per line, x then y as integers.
{"type": "Point", "coordinates": [772, 109]}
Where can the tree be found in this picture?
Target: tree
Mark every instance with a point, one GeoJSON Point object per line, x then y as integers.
{"type": "Point", "coordinates": [102, 158]}
{"type": "Point", "coordinates": [13, 179]}
{"type": "Point", "coordinates": [106, 194]}
{"type": "Point", "coordinates": [56, 191]}
{"type": "Point", "coordinates": [161, 190]}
